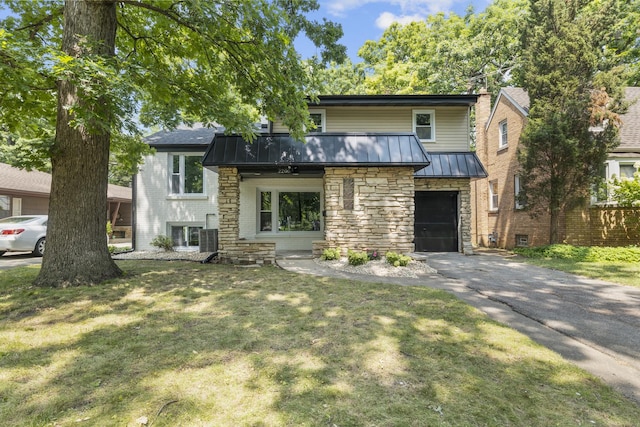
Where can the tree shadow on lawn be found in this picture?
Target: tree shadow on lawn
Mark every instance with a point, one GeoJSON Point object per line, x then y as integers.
{"type": "Point", "coordinates": [219, 345]}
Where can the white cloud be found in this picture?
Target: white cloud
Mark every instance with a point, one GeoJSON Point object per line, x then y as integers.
{"type": "Point", "coordinates": [385, 19]}
{"type": "Point", "coordinates": [407, 7]}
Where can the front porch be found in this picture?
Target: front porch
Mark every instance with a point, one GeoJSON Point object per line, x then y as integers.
{"type": "Point", "coordinates": [281, 197]}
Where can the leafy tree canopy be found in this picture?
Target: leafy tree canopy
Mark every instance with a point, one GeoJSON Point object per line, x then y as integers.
{"type": "Point", "coordinates": [340, 79]}
{"type": "Point", "coordinates": [451, 54]}
{"type": "Point", "coordinates": [79, 76]}
{"type": "Point", "coordinates": [176, 61]}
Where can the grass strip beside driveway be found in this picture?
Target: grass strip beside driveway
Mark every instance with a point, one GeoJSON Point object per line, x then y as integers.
{"type": "Point", "coordinates": [190, 344]}
{"type": "Point", "coordinates": [613, 264]}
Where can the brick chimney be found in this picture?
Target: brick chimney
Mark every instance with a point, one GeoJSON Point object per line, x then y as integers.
{"type": "Point", "coordinates": [483, 111]}
{"type": "Point", "coordinates": [479, 189]}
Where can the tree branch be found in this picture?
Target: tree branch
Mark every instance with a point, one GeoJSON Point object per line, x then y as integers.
{"type": "Point", "coordinates": [36, 26]}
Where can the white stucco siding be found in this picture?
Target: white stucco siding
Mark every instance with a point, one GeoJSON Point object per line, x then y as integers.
{"type": "Point", "coordinates": [451, 123]}
{"type": "Point", "coordinates": [157, 210]}
{"type": "Point", "coordinates": [249, 189]}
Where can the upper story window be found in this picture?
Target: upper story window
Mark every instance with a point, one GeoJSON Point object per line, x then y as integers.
{"type": "Point", "coordinates": [493, 195]}
{"type": "Point", "coordinates": [186, 175]}
{"type": "Point", "coordinates": [516, 192]}
{"type": "Point", "coordinates": [424, 125]}
{"type": "Point", "coordinates": [503, 134]}
{"type": "Point", "coordinates": [318, 117]}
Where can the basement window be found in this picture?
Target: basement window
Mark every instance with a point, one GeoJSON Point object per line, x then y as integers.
{"type": "Point", "coordinates": [522, 240]}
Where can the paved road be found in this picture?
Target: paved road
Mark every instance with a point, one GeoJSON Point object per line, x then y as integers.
{"type": "Point", "coordinates": [593, 323]}
{"type": "Point", "coordinates": [18, 259]}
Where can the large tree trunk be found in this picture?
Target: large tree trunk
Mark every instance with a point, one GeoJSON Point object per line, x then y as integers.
{"type": "Point", "coordinates": [76, 251]}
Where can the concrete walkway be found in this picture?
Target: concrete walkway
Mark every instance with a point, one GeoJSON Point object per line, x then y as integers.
{"type": "Point", "coordinates": [592, 323]}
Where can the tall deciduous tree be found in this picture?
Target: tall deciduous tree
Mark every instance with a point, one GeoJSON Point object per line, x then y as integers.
{"type": "Point", "coordinates": [447, 54]}
{"type": "Point", "coordinates": [90, 68]}
{"type": "Point", "coordinates": [573, 89]}
{"type": "Point", "coordinates": [341, 79]}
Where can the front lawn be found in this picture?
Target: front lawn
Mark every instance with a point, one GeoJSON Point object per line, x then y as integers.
{"type": "Point", "coordinates": [618, 265]}
{"type": "Point", "coordinates": [183, 344]}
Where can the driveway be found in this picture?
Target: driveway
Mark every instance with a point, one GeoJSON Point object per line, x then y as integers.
{"type": "Point", "coordinates": [592, 323]}
{"type": "Point", "coordinates": [18, 259]}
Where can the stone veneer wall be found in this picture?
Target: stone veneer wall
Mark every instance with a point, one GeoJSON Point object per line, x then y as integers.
{"type": "Point", "coordinates": [230, 248]}
{"type": "Point", "coordinates": [463, 187]}
{"type": "Point", "coordinates": [382, 214]}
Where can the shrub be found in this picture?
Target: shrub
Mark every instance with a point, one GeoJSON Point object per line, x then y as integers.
{"type": "Point", "coordinates": [109, 229]}
{"type": "Point", "coordinates": [163, 242]}
{"type": "Point", "coordinates": [331, 254]}
{"type": "Point", "coordinates": [397, 260]}
{"type": "Point", "coordinates": [357, 257]}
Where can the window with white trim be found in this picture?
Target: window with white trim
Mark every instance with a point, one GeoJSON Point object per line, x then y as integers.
{"type": "Point", "coordinates": [516, 192]}
{"type": "Point", "coordinates": [493, 195]}
{"type": "Point", "coordinates": [504, 133]}
{"type": "Point", "coordinates": [290, 211]}
{"type": "Point", "coordinates": [5, 206]}
{"type": "Point", "coordinates": [186, 175]}
{"type": "Point", "coordinates": [424, 125]}
{"type": "Point", "coordinates": [318, 117]}
{"type": "Point", "coordinates": [185, 236]}
{"type": "Point", "coordinates": [627, 170]}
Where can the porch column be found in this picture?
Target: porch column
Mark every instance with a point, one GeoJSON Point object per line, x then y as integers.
{"type": "Point", "coordinates": [228, 208]}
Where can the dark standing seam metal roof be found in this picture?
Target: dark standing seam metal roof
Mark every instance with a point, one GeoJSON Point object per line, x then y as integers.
{"type": "Point", "coordinates": [318, 150]}
{"type": "Point", "coordinates": [453, 165]}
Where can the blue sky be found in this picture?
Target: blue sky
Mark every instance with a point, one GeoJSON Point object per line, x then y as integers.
{"type": "Point", "coordinates": [364, 20]}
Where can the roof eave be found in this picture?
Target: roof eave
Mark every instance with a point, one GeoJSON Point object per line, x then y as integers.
{"type": "Point", "coordinates": [180, 147]}
{"type": "Point", "coordinates": [395, 100]}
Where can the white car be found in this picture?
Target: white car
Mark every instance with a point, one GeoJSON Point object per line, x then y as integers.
{"type": "Point", "coordinates": [26, 233]}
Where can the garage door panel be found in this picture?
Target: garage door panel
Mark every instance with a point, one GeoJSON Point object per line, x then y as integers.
{"type": "Point", "coordinates": [436, 221]}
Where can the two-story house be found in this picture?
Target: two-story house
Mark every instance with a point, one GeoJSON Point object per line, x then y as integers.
{"type": "Point", "coordinates": [378, 172]}
{"type": "Point", "coordinates": [498, 217]}
{"type": "Point", "coordinates": [174, 195]}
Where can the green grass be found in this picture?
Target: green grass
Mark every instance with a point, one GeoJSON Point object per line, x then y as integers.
{"type": "Point", "coordinates": [188, 344]}
{"type": "Point", "coordinates": [618, 265]}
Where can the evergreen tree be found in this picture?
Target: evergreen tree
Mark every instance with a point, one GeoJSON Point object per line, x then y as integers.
{"type": "Point", "coordinates": [574, 91]}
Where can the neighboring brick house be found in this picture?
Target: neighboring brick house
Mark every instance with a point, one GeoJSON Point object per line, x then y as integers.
{"type": "Point", "coordinates": [25, 192]}
{"type": "Point", "coordinates": [380, 172]}
{"type": "Point", "coordinates": [498, 219]}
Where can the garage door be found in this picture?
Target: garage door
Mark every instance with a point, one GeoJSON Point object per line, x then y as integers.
{"type": "Point", "coordinates": [436, 221]}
